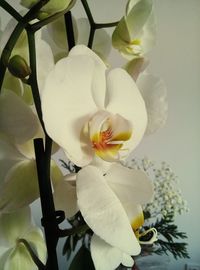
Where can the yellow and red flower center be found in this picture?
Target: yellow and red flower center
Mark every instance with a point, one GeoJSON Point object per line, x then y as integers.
{"type": "Point", "coordinates": [104, 139]}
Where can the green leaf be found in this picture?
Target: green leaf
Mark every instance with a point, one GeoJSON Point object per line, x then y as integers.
{"type": "Point", "coordinates": [82, 260]}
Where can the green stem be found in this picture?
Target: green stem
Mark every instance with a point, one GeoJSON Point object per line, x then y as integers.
{"type": "Point", "coordinates": [105, 25]}
{"type": "Point", "coordinates": [91, 37]}
{"type": "Point", "coordinates": [48, 210]}
{"type": "Point", "coordinates": [93, 25]}
{"type": "Point", "coordinates": [11, 10]}
{"type": "Point", "coordinates": [87, 11]}
{"type": "Point", "coordinates": [48, 148]}
{"type": "Point", "coordinates": [69, 30]}
{"type": "Point", "coordinates": [34, 257]}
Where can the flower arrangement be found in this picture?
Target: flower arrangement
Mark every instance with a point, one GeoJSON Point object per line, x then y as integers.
{"type": "Point", "coordinates": [66, 97]}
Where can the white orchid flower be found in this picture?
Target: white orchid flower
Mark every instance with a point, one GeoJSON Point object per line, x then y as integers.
{"type": "Point", "coordinates": [52, 7]}
{"type": "Point", "coordinates": [134, 36]}
{"type": "Point", "coordinates": [14, 228]}
{"type": "Point", "coordinates": [110, 203]}
{"type": "Point", "coordinates": [18, 175]}
{"type": "Point", "coordinates": [91, 112]}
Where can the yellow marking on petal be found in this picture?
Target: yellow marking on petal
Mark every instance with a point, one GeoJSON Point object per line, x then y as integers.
{"type": "Point", "coordinates": [123, 136]}
{"type": "Point", "coordinates": [109, 153]}
{"type": "Point", "coordinates": [136, 42]}
{"type": "Point", "coordinates": [137, 222]}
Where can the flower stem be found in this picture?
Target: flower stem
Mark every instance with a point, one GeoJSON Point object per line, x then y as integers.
{"type": "Point", "coordinates": [91, 37]}
{"type": "Point", "coordinates": [69, 30]}
{"type": "Point", "coordinates": [48, 210]}
{"type": "Point", "coordinates": [106, 25]}
{"type": "Point", "coordinates": [88, 12]}
{"type": "Point", "coordinates": [93, 25]}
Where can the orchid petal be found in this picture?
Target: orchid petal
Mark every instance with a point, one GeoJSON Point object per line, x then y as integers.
{"type": "Point", "coordinates": [13, 84]}
{"type": "Point", "coordinates": [127, 260]}
{"type": "Point", "coordinates": [96, 123]}
{"type": "Point", "coordinates": [105, 256]}
{"type": "Point", "coordinates": [35, 238]}
{"type": "Point", "coordinates": [56, 174]}
{"type": "Point", "coordinates": [65, 197]}
{"type": "Point", "coordinates": [103, 211]}
{"type": "Point", "coordinates": [149, 34]}
{"type": "Point", "coordinates": [137, 17]}
{"type": "Point", "coordinates": [136, 66]}
{"type": "Point", "coordinates": [98, 86]}
{"type": "Point", "coordinates": [121, 128]}
{"type": "Point", "coordinates": [154, 92]}
{"type": "Point", "coordinates": [121, 36]}
{"type": "Point", "coordinates": [16, 118]}
{"type": "Point", "coordinates": [69, 91]}
{"type": "Point", "coordinates": [13, 225]}
{"type": "Point", "coordinates": [136, 216]}
{"type": "Point", "coordinates": [45, 61]}
{"type": "Point", "coordinates": [21, 180]}
{"type": "Point", "coordinates": [4, 254]}
{"type": "Point", "coordinates": [9, 156]}
{"type": "Point", "coordinates": [124, 98]}
{"type": "Point", "coordinates": [132, 186]}
{"type": "Point", "coordinates": [101, 164]}
{"type": "Point", "coordinates": [19, 258]}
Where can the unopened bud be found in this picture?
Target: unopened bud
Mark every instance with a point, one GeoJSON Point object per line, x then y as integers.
{"type": "Point", "coordinates": [18, 67]}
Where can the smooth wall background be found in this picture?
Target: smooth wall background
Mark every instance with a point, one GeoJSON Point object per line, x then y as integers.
{"type": "Point", "coordinates": [176, 59]}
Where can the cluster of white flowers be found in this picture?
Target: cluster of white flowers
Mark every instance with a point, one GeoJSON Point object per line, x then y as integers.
{"type": "Point", "coordinates": [95, 114]}
{"type": "Point", "coordinates": [168, 199]}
